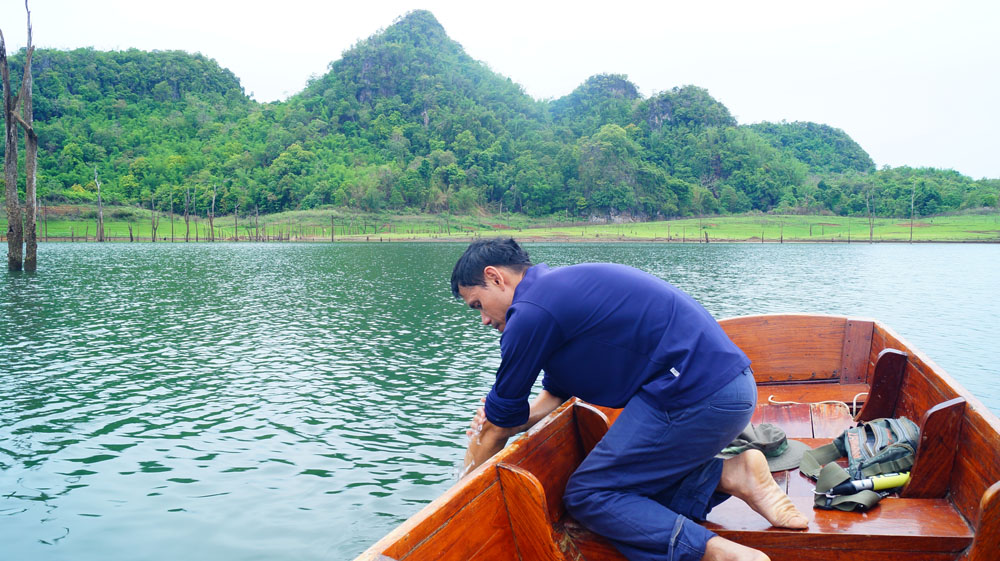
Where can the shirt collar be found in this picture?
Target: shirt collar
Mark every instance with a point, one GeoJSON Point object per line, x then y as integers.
{"type": "Point", "coordinates": [530, 276]}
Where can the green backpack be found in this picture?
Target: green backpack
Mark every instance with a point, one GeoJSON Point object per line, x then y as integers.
{"type": "Point", "coordinates": [873, 448]}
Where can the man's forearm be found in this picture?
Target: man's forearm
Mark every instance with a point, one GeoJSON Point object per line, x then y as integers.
{"type": "Point", "coordinates": [491, 438]}
{"type": "Point", "coordinates": [483, 445]}
{"type": "Point", "coordinates": [544, 404]}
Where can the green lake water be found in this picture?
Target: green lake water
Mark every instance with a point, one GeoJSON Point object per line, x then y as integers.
{"type": "Point", "coordinates": [297, 402]}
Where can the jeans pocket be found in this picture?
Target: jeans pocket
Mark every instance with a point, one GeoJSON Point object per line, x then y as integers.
{"type": "Point", "coordinates": [732, 407]}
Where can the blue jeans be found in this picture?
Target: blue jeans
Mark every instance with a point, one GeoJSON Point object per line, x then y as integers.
{"type": "Point", "coordinates": [655, 472]}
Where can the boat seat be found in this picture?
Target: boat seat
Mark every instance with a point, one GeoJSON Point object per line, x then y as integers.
{"type": "Point", "coordinates": [920, 521]}
{"type": "Point", "coordinates": [915, 528]}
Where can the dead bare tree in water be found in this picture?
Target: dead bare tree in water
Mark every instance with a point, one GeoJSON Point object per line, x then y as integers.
{"type": "Point", "coordinates": [15, 241]}
{"type": "Point", "coordinates": [100, 209]}
{"type": "Point", "coordinates": [27, 122]}
{"type": "Point", "coordinates": [153, 220]}
{"type": "Point", "coordinates": [194, 211]}
{"type": "Point", "coordinates": [211, 219]}
{"type": "Point", "coordinates": [20, 228]}
{"type": "Point", "coordinates": [187, 216]}
{"type": "Point", "coordinates": [171, 216]}
{"type": "Point", "coordinates": [870, 211]}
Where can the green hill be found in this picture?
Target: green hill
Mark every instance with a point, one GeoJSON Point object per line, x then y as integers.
{"type": "Point", "coordinates": [823, 148]}
{"type": "Point", "coordinates": [406, 121]}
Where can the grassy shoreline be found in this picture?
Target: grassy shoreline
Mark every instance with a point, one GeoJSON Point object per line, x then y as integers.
{"type": "Point", "coordinates": [316, 226]}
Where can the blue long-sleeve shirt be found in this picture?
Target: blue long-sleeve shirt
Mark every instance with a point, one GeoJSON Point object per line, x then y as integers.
{"type": "Point", "coordinates": [604, 333]}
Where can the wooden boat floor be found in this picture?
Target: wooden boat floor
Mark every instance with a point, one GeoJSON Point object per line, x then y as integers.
{"type": "Point", "coordinates": [896, 529]}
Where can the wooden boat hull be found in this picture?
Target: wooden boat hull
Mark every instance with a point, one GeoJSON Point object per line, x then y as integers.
{"type": "Point", "coordinates": [511, 507]}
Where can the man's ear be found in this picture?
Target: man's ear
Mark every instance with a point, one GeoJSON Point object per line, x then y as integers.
{"type": "Point", "coordinates": [492, 275]}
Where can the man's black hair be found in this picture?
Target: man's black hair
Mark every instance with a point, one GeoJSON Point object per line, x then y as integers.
{"type": "Point", "coordinates": [497, 252]}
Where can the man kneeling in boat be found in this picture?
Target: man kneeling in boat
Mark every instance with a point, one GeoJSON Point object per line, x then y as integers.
{"type": "Point", "coordinates": [618, 337]}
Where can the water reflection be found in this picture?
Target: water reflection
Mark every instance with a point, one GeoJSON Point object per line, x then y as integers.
{"type": "Point", "coordinates": [298, 401]}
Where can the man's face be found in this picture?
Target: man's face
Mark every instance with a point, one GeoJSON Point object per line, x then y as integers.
{"type": "Point", "coordinates": [491, 301]}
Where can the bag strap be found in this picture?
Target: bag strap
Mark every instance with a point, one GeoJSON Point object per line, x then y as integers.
{"type": "Point", "coordinates": [814, 460]}
{"type": "Point", "coordinates": [898, 465]}
{"type": "Point", "coordinates": [832, 475]}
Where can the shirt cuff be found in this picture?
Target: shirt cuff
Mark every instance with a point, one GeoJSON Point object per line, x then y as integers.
{"type": "Point", "coordinates": [504, 412]}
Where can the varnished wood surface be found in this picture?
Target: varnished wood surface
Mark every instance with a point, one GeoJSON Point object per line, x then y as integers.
{"type": "Point", "coordinates": [886, 385]}
{"type": "Point", "coordinates": [805, 420]}
{"type": "Point", "coordinates": [786, 348]}
{"type": "Point", "coordinates": [894, 525]}
{"type": "Point", "coordinates": [852, 554]}
{"type": "Point", "coordinates": [857, 345]}
{"type": "Point", "coordinates": [591, 425]}
{"type": "Point", "coordinates": [481, 490]}
{"type": "Point", "coordinates": [829, 420]}
{"type": "Point", "coordinates": [939, 431]}
{"type": "Point", "coordinates": [479, 530]}
{"type": "Point", "coordinates": [813, 392]}
{"type": "Point", "coordinates": [986, 546]}
{"type": "Point", "coordinates": [525, 501]}
{"type": "Point", "coordinates": [551, 456]}
{"type": "Point", "coordinates": [795, 420]}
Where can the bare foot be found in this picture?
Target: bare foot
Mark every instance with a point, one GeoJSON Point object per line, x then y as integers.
{"type": "Point", "coordinates": [721, 549]}
{"type": "Point", "coordinates": [748, 478]}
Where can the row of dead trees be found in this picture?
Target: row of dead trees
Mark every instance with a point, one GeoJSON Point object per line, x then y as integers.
{"type": "Point", "coordinates": [22, 238]}
{"type": "Point", "coordinates": [188, 200]}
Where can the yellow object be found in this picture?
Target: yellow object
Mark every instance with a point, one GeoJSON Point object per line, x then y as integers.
{"type": "Point", "coordinates": [890, 480]}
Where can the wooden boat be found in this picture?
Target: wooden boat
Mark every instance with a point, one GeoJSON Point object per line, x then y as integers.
{"type": "Point", "coordinates": [511, 507]}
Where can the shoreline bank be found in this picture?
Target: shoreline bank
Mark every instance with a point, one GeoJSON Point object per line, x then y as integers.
{"type": "Point", "coordinates": [521, 238]}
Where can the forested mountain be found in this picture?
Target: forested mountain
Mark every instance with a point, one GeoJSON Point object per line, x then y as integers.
{"type": "Point", "coordinates": [406, 120]}
{"type": "Point", "coordinates": [821, 147]}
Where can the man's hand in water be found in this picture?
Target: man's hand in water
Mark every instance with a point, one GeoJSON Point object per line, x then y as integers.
{"type": "Point", "coordinates": [486, 439]}
{"type": "Point", "coordinates": [477, 422]}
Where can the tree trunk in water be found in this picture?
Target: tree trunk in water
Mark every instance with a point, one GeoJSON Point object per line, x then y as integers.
{"type": "Point", "coordinates": [187, 216]}
{"type": "Point", "coordinates": [30, 159]}
{"type": "Point", "coordinates": [869, 207]}
{"type": "Point", "coordinates": [15, 241]}
{"type": "Point", "coordinates": [152, 218]}
{"type": "Point", "coordinates": [100, 209]}
{"type": "Point", "coordinates": [211, 220]}
{"type": "Point", "coordinates": [871, 226]}
{"type": "Point", "coordinates": [194, 211]}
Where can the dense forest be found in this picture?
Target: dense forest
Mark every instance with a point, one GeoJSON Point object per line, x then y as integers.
{"type": "Point", "coordinates": [406, 121]}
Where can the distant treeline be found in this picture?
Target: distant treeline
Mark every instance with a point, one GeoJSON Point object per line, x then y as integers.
{"type": "Point", "coordinates": [407, 121]}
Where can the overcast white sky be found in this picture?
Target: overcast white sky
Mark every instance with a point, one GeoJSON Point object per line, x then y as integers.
{"type": "Point", "coordinates": [914, 82]}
